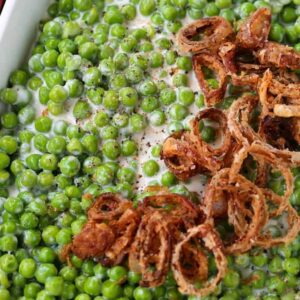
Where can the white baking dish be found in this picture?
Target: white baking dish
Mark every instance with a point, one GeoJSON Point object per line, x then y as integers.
{"type": "Point", "coordinates": [18, 27]}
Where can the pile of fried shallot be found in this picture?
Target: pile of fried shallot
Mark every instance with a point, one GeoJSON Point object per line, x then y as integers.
{"type": "Point", "coordinates": [165, 230]}
{"type": "Point", "coordinates": [169, 230]}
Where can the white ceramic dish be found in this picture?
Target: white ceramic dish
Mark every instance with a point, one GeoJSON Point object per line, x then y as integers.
{"type": "Point", "coordinates": [18, 27]}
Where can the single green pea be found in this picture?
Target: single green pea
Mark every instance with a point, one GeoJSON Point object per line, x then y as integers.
{"type": "Point", "coordinates": [111, 290]}
{"type": "Point", "coordinates": [69, 166]}
{"type": "Point", "coordinates": [111, 149]}
{"type": "Point", "coordinates": [232, 279]}
{"type": "Point", "coordinates": [103, 175]}
{"type": "Point", "coordinates": [146, 7]}
{"type": "Point", "coordinates": [291, 265]}
{"type": "Point", "coordinates": [141, 293]}
{"type": "Point", "coordinates": [8, 144]}
{"type": "Point", "coordinates": [150, 168]}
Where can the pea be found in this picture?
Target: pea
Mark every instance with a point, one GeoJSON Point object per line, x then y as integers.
{"type": "Point", "coordinates": [246, 9]}
{"type": "Point", "coordinates": [113, 15]}
{"type": "Point", "coordinates": [103, 175]}
{"type": "Point", "coordinates": [146, 7]}
{"type": "Point", "coordinates": [111, 149]}
{"type": "Point", "coordinates": [141, 293]}
{"type": "Point", "coordinates": [8, 242]}
{"type": "Point", "coordinates": [291, 265]}
{"type": "Point", "coordinates": [277, 32]}
{"type": "Point", "coordinates": [8, 263]}
{"type": "Point", "coordinates": [111, 289]}
{"type": "Point", "coordinates": [289, 14]}
{"type": "Point", "coordinates": [178, 112]}
{"type": "Point", "coordinates": [169, 12]}
{"type": "Point", "coordinates": [81, 110]}
{"type": "Point", "coordinates": [150, 168]}
{"type": "Point", "coordinates": [8, 144]}
{"type": "Point", "coordinates": [27, 267]}
{"type": "Point", "coordinates": [4, 160]}
{"type": "Point", "coordinates": [184, 63]}
{"type": "Point", "coordinates": [69, 166]}
{"type": "Point", "coordinates": [232, 279]}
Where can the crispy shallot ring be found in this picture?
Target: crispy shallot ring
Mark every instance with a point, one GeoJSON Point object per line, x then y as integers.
{"type": "Point", "coordinates": [179, 156]}
{"type": "Point", "coordinates": [267, 100]}
{"type": "Point", "coordinates": [290, 90]}
{"type": "Point", "coordinates": [213, 243]}
{"type": "Point", "coordinates": [238, 119]}
{"type": "Point", "coordinates": [215, 31]}
{"type": "Point", "coordinates": [278, 55]}
{"type": "Point", "coordinates": [215, 115]}
{"type": "Point", "coordinates": [92, 241]}
{"type": "Point", "coordinates": [152, 246]}
{"type": "Point", "coordinates": [194, 265]}
{"type": "Point", "coordinates": [261, 153]}
{"type": "Point", "coordinates": [107, 207]}
{"type": "Point", "coordinates": [171, 205]}
{"type": "Point", "coordinates": [278, 132]}
{"type": "Point", "coordinates": [237, 194]}
{"type": "Point", "coordinates": [287, 111]}
{"type": "Point", "coordinates": [212, 96]}
{"type": "Point", "coordinates": [124, 229]}
{"type": "Point", "coordinates": [265, 240]}
{"type": "Point", "coordinates": [254, 31]}
{"type": "Point", "coordinates": [227, 52]}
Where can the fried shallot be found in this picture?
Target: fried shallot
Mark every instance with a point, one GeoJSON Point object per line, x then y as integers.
{"type": "Point", "coordinates": [199, 239]}
{"type": "Point", "coordinates": [212, 32]}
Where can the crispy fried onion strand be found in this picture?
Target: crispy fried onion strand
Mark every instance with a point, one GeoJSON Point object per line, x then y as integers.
{"type": "Point", "coordinates": [186, 154]}
{"type": "Point", "coordinates": [213, 32]}
{"type": "Point", "coordinates": [282, 204]}
{"type": "Point", "coordinates": [254, 32]}
{"type": "Point", "coordinates": [239, 119]}
{"type": "Point", "coordinates": [212, 62]}
{"type": "Point", "coordinates": [243, 202]}
{"type": "Point", "coordinates": [151, 251]}
{"type": "Point", "coordinates": [278, 55]}
{"type": "Point", "coordinates": [179, 156]}
{"type": "Point", "coordinates": [109, 232]}
{"type": "Point", "coordinates": [197, 236]}
{"type": "Point", "coordinates": [287, 111]}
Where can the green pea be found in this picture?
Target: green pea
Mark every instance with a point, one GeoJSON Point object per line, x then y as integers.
{"type": "Point", "coordinates": [141, 293]}
{"type": "Point", "coordinates": [168, 179]}
{"type": "Point", "coordinates": [288, 14]}
{"type": "Point", "coordinates": [208, 134]}
{"type": "Point", "coordinates": [9, 120]}
{"type": "Point", "coordinates": [113, 15]}
{"type": "Point", "coordinates": [27, 267]}
{"type": "Point", "coordinates": [8, 263]}
{"type": "Point", "coordinates": [103, 175]}
{"type": "Point", "coordinates": [180, 79]}
{"type": "Point", "coordinates": [69, 166]}
{"type": "Point", "coordinates": [49, 233]}
{"type": "Point", "coordinates": [8, 144]}
{"type": "Point", "coordinates": [178, 112]}
{"type": "Point", "coordinates": [246, 9]}
{"type": "Point", "coordinates": [137, 123]}
{"type": "Point", "coordinates": [31, 238]}
{"type": "Point", "coordinates": [111, 149]}
{"type": "Point", "coordinates": [291, 265]}
{"type": "Point", "coordinates": [111, 289]}
{"type": "Point", "coordinates": [4, 160]}
{"type": "Point", "coordinates": [260, 260]}
{"type": "Point", "coordinates": [8, 96]}
{"type": "Point", "coordinates": [232, 279]}
{"type": "Point", "coordinates": [129, 11]}
{"type": "Point", "coordinates": [128, 148]}
{"type": "Point", "coordinates": [150, 168]}
{"type": "Point", "coordinates": [184, 63]}
{"type": "Point", "coordinates": [134, 74]}
{"type": "Point", "coordinates": [146, 7]}
{"type": "Point", "coordinates": [8, 242]}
